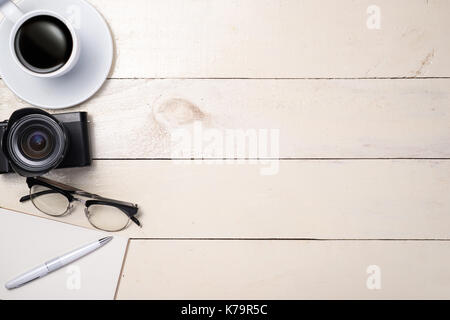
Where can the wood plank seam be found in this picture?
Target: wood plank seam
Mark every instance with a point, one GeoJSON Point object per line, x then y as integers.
{"type": "Point", "coordinates": [122, 269]}
{"type": "Point", "coordinates": [290, 239]}
{"type": "Point", "coordinates": [272, 159]}
{"type": "Point", "coordinates": [278, 78]}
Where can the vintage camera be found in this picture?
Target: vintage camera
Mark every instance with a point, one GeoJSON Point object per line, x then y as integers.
{"type": "Point", "coordinates": [33, 142]}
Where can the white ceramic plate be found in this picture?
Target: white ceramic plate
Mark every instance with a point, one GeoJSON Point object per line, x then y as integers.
{"type": "Point", "coordinates": [88, 75]}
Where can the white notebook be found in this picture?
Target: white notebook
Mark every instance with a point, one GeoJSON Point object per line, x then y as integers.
{"type": "Point", "coordinates": [27, 241]}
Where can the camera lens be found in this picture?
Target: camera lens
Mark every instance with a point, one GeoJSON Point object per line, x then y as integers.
{"type": "Point", "coordinates": [36, 144]}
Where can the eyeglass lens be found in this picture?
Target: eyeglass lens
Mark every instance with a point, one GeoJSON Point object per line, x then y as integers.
{"type": "Point", "coordinates": [107, 218]}
{"type": "Point", "coordinates": [49, 201]}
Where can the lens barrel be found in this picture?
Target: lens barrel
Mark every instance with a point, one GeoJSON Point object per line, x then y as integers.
{"type": "Point", "coordinates": [36, 143]}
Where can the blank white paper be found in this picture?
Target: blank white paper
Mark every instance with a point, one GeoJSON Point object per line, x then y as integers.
{"type": "Point", "coordinates": [27, 241]}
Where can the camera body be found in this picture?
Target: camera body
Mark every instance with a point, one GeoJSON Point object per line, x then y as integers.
{"type": "Point", "coordinates": [29, 131]}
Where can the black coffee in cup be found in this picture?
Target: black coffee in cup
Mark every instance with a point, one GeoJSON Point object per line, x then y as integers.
{"type": "Point", "coordinates": [43, 44]}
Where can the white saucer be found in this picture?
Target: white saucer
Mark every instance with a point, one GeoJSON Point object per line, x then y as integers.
{"type": "Point", "coordinates": [87, 76]}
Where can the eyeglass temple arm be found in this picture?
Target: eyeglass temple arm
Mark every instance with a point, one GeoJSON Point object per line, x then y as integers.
{"type": "Point", "coordinates": [97, 197]}
{"type": "Point", "coordinates": [78, 192]}
{"type": "Point", "coordinates": [25, 198]}
{"type": "Point", "coordinates": [58, 184]}
{"type": "Point", "coordinates": [40, 193]}
{"type": "Point", "coordinates": [135, 220]}
{"type": "Point", "coordinates": [82, 193]}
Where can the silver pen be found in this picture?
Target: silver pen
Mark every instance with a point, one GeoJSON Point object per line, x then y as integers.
{"type": "Point", "coordinates": [56, 264]}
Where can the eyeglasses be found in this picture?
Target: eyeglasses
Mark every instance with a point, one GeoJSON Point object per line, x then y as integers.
{"type": "Point", "coordinates": [56, 199]}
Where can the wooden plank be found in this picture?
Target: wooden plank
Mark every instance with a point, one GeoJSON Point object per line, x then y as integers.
{"type": "Point", "coordinates": [315, 118]}
{"type": "Point", "coordinates": [352, 199]}
{"type": "Point", "coordinates": [278, 39]}
{"type": "Point", "coordinates": [285, 270]}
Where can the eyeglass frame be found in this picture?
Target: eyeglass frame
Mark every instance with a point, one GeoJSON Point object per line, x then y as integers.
{"type": "Point", "coordinates": [71, 193]}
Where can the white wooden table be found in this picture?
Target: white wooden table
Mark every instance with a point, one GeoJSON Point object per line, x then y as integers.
{"type": "Point", "coordinates": [364, 171]}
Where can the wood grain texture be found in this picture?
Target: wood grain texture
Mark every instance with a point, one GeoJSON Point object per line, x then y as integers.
{"type": "Point", "coordinates": [284, 270]}
{"type": "Point", "coordinates": [315, 118]}
{"type": "Point", "coordinates": [359, 199]}
{"type": "Point", "coordinates": [278, 39]}
{"type": "Point", "coordinates": [272, 52]}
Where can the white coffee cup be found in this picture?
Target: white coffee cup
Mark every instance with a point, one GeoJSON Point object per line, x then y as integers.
{"type": "Point", "coordinates": [18, 18]}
